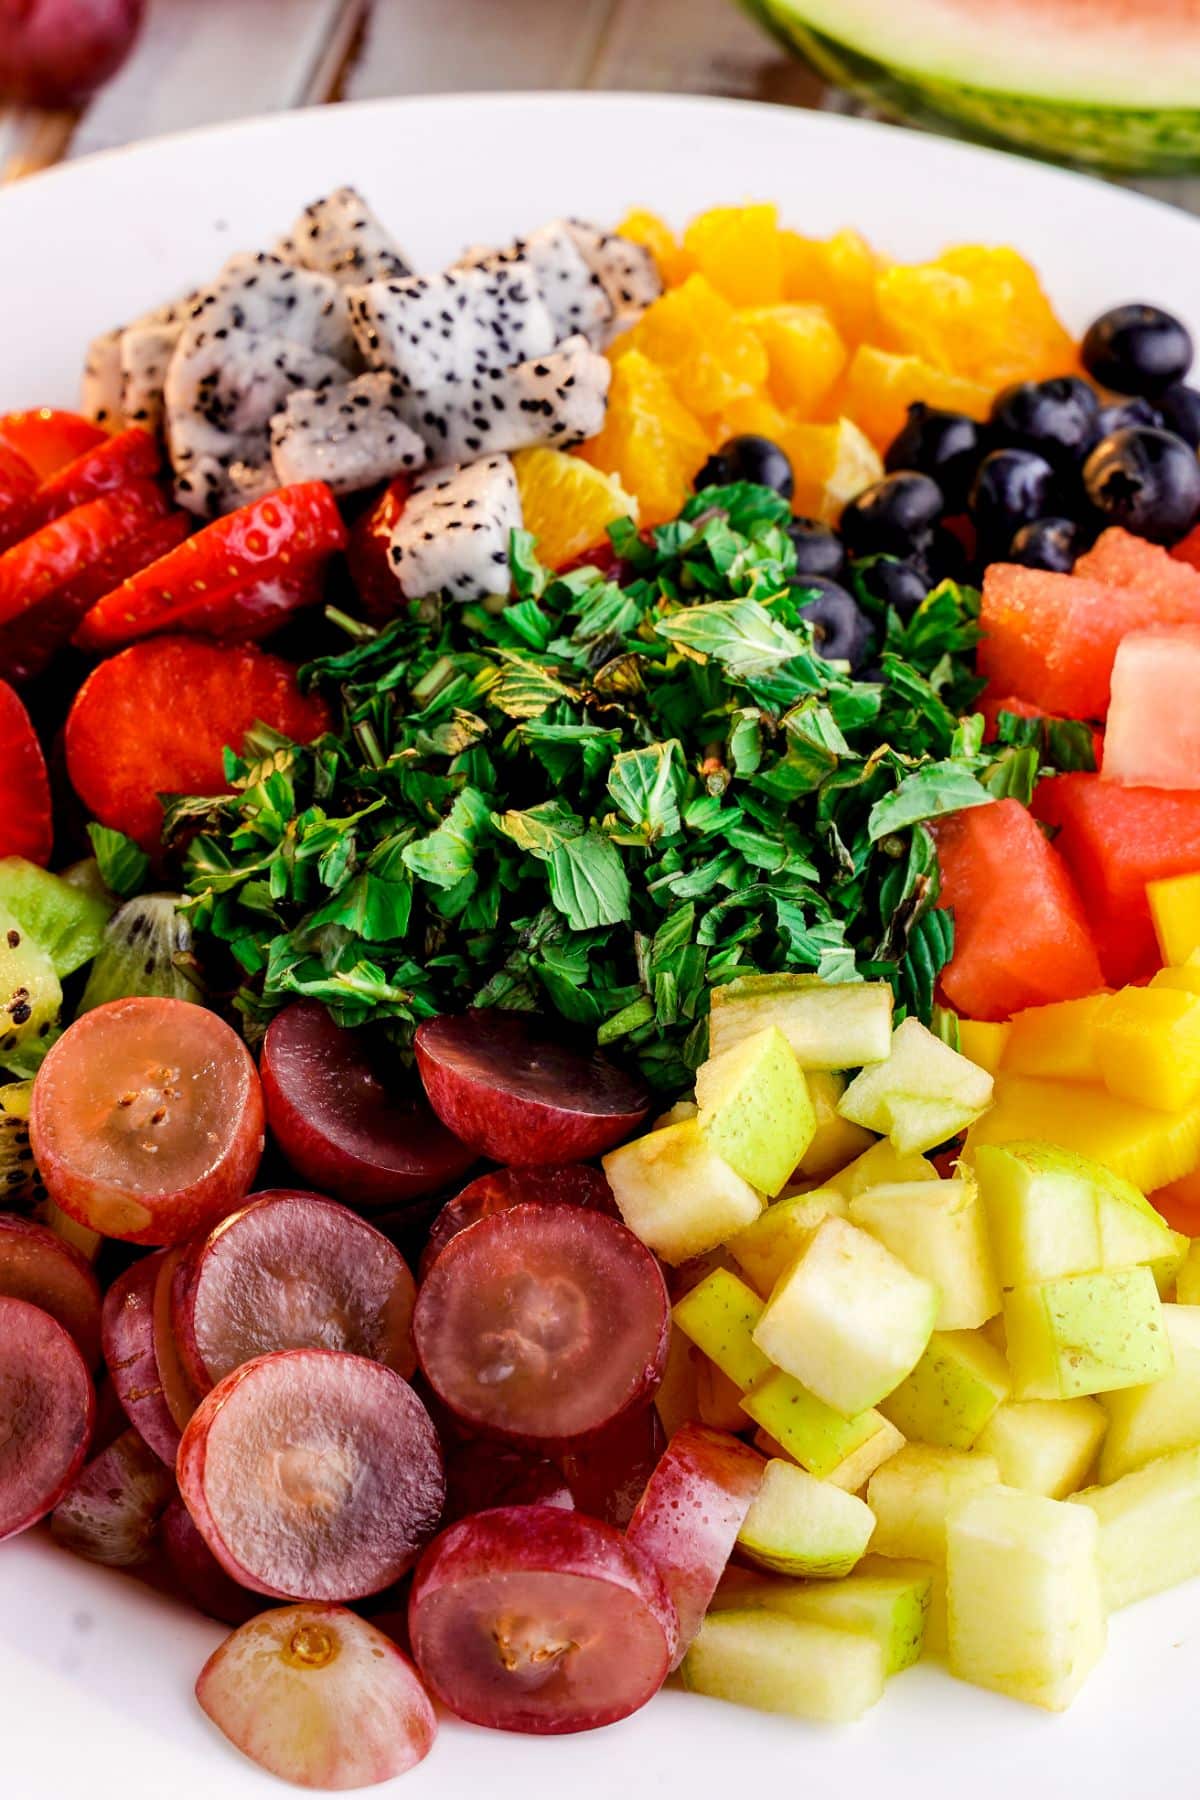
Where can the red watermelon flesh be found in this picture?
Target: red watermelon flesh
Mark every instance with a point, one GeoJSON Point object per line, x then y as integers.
{"type": "Point", "coordinates": [1169, 586]}
{"type": "Point", "coordinates": [1052, 639]}
{"type": "Point", "coordinates": [1187, 550]}
{"type": "Point", "coordinates": [1020, 933]}
{"type": "Point", "coordinates": [1114, 840]}
{"type": "Point", "coordinates": [1153, 737]}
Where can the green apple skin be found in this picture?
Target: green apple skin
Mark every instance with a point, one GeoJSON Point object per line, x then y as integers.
{"type": "Point", "coordinates": [677, 1195]}
{"type": "Point", "coordinates": [913, 1494]}
{"type": "Point", "coordinates": [1045, 1446]}
{"type": "Point", "coordinates": [1085, 1334]}
{"type": "Point", "coordinates": [818, 1438]}
{"type": "Point", "coordinates": [889, 1601]}
{"type": "Point", "coordinates": [923, 1094]}
{"type": "Point", "coordinates": [1149, 1527]}
{"type": "Point", "coordinates": [829, 1025]}
{"type": "Point", "coordinates": [952, 1393]}
{"type": "Point", "coordinates": [754, 1109]}
{"type": "Point", "coordinates": [798, 1525]}
{"type": "Point", "coordinates": [1025, 1608]}
{"type": "Point", "coordinates": [719, 1316]}
{"type": "Point", "coordinates": [1164, 1415]}
{"type": "Point", "coordinates": [780, 1665]}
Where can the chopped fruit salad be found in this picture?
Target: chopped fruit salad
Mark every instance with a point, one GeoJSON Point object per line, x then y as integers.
{"type": "Point", "coordinates": [600, 976]}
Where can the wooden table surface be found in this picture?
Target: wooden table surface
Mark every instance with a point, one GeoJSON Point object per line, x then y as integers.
{"type": "Point", "coordinates": [201, 62]}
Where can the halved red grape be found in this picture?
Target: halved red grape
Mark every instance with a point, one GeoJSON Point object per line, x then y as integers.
{"type": "Point", "coordinates": [47, 1407]}
{"type": "Point", "coordinates": [127, 1338]}
{"type": "Point", "coordinates": [543, 1323]}
{"type": "Point", "coordinates": [608, 1473]}
{"type": "Point", "coordinates": [319, 1697]}
{"type": "Point", "coordinates": [147, 1120]}
{"type": "Point", "coordinates": [517, 1095]}
{"type": "Point", "coordinates": [313, 1474]}
{"type": "Point", "coordinates": [574, 1183]}
{"type": "Point", "coordinates": [690, 1514]}
{"type": "Point", "coordinates": [291, 1271]}
{"type": "Point", "coordinates": [178, 1389]}
{"type": "Point", "coordinates": [484, 1475]}
{"type": "Point", "coordinates": [111, 1513]}
{"type": "Point", "coordinates": [349, 1123]}
{"type": "Point", "coordinates": [36, 1265]}
{"type": "Point", "coordinates": [199, 1574]}
{"type": "Point", "coordinates": [534, 1619]}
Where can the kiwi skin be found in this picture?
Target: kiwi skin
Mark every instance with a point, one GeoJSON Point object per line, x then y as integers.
{"type": "Point", "coordinates": [146, 950]}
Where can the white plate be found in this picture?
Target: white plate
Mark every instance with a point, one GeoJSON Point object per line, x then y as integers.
{"type": "Point", "coordinates": [95, 1672]}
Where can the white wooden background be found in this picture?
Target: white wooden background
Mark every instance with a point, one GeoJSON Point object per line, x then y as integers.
{"type": "Point", "coordinates": [200, 62]}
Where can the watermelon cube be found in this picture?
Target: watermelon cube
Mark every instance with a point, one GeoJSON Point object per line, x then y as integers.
{"type": "Point", "coordinates": [1052, 639]}
{"type": "Point", "coordinates": [1020, 933]}
{"type": "Point", "coordinates": [1114, 840]}
{"type": "Point", "coordinates": [1153, 737]}
{"type": "Point", "coordinates": [1187, 550]}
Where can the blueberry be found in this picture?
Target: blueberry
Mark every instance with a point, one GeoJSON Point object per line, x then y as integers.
{"type": "Point", "coordinates": [946, 445]}
{"type": "Point", "coordinates": [1137, 349]}
{"type": "Point", "coordinates": [894, 517]}
{"type": "Point", "coordinates": [1057, 417]}
{"type": "Point", "coordinates": [944, 558]}
{"type": "Point", "coordinates": [886, 581]}
{"type": "Point", "coordinates": [748, 458]}
{"type": "Point", "coordinates": [1134, 411]}
{"type": "Point", "coordinates": [1181, 412]}
{"type": "Point", "coordinates": [1011, 488]}
{"type": "Point", "coordinates": [818, 549]}
{"type": "Point", "coordinates": [1148, 481]}
{"type": "Point", "coordinates": [1046, 544]}
{"type": "Point", "coordinates": [841, 630]}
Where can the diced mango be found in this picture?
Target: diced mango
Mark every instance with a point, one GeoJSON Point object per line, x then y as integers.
{"type": "Point", "coordinates": [1147, 1147]}
{"type": "Point", "coordinates": [1175, 909]}
{"type": "Point", "coordinates": [1147, 1045]}
{"type": "Point", "coordinates": [738, 249]}
{"type": "Point", "coordinates": [805, 354]}
{"type": "Point", "coordinates": [1055, 1041]}
{"type": "Point", "coordinates": [983, 1042]}
{"type": "Point", "coordinates": [880, 387]}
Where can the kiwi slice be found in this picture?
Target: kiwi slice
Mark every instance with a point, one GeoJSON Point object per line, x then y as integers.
{"type": "Point", "coordinates": [65, 920]}
{"type": "Point", "coordinates": [21, 1187]}
{"type": "Point", "coordinates": [146, 949]}
{"type": "Point", "coordinates": [30, 997]}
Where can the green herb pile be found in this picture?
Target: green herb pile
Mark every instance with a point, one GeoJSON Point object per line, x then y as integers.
{"type": "Point", "coordinates": [600, 800]}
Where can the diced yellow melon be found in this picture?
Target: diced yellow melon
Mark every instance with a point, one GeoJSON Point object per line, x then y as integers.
{"type": "Point", "coordinates": [829, 1025]}
{"type": "Point", "coordinates": [1149, 1527]}
{"type": "Point", "coordinates": [1025, 1610]}
{"type": "Point", "coordinates": [835, 1141]}
{"type": "Point", "coordinates": [1085, 1334]}
{"type": "Point", "coordinates": [1045, 1446]}
{"type": "Point", "coordinates": [753, 1108]}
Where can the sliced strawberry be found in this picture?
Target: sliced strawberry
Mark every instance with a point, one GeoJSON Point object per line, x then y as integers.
{"type": "Point", "coordinates": [367, 555]}
{"type": "Point", "coordinates": [48, 439]}
{"type": "Point", "coordinates": [218, 574]}
{"type": "Point", "coordinates": [25, 821]}
{"type": "Point", "coordinates": [18, 485]}
{"type": "Point", "coordinates": [156, 718]}
{"type": "Point", "coordinates": [30, 640]}
{"type": "Point", "coordinates": [132, 455]}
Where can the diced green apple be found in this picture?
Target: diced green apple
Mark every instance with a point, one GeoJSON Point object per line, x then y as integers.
{"type": "Point", "coordinates": [952, 1393]}
{"type": "Point", "coordinates": [912, 1494]}
{"type": "Point", "coordinates": [1085, 1334]}
{"type": "Point", "coordinates": [677, 1194]}
{"type": "Point", "coordinates": [798, 1525]}
{"type": "Point", "coordinates": [879, 1166]}
{"type": "Point", "coordinates": [922, 1095]}
{"type": "Point", "coordinates": [885, 1600]}
{"type": "Point", "coordinates": [839, 1025]}
{"type": "Point", "coordinates": [781, 1665]}
{"type": "Point", "coordinates": [774, 1241]}
{"type": "Point", "coordinates": [1149, 1527]}
{"type": "Point", "coordinates": [1025, 1610]}
{"type": "Point", "coordinates": [835, 1140]}
{"type": "Point", "coordinates": [719, 1316]}
{"type": "Point", "coordinates": [938, 1229]}
{"type": "Point", "coordinates": [1045, 1446]}
{"type": "Point", "coordinates": [847, 1318]}
{"type": "Point", "coordinates": [830, 1446]}
{"type": "Point", "coordinates": [1162, 1416]}
{"type": "Point", "coordinates": [754, 1111]}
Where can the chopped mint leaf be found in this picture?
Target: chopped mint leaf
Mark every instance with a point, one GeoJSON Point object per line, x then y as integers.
{"type": "Point", "coordinates": [123, 866]}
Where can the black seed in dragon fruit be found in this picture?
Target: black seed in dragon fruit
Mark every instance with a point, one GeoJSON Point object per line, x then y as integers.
{"type": "Point", "coordinates": [454, 533]}
{"type": "Point", "coordinates": [340, 236]}
{"type": "Point", "coordinates": [223, 388]}
{"type": "Point", "coordinates": [146, 352]}
{"type": "Point", "coordinates": [573, 292]}
{"type": "Point", "coordinates": [100, 388]}
{"type": "Point", "coordinates": [351, 435]}
{"type": "Point", "coordinates": [627, 271]}
{"type": "Point", "coordinates": [255, 292]}
{"type": "Point", "coordinates": [445, 330]}
{"type": "Point", "coordinates": [557, 400]}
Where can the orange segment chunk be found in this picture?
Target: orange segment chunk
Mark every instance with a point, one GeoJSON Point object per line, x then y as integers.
{"type": "Point", "coordinates": [711, 355]}
{"type": "Point", "coordinates": [567, 504]}
{"type": "Point", "coordinates": [976, 311]}
{"type": "Point", "coordinates": [838, 272]}
{"type": "Point", "coordinates": [650, 440]}
{"type": "Point", "coordinates": [805, 353]}
{"type": "Point", "coordinates": [881, 386]}
{"type": "Point", "coordinates": [738, 248]}
{"type": "Point", "coordinates": [674, 262]}
{"type": "Point", "coordinates": [831, 464]}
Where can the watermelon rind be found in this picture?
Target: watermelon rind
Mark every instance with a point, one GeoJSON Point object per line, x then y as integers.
{"type": "Point", "coordinates": [1094, 133]}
